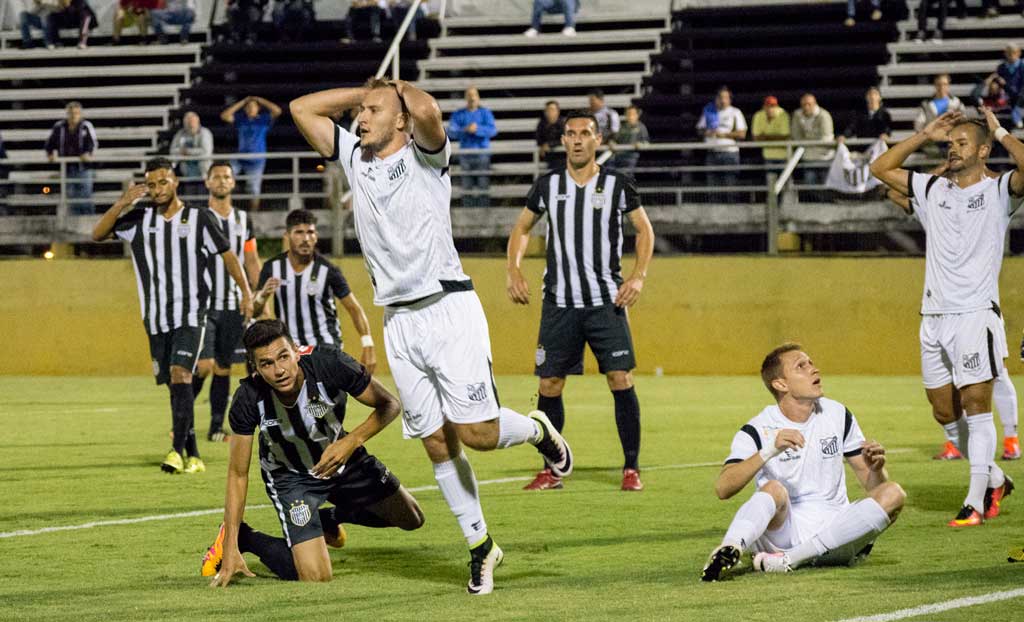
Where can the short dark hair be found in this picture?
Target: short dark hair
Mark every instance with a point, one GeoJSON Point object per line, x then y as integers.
{"type": "Point", "coordinates": [217, 163]}
{"type": "Point", "coordinates": [263, 333]}
{"type": "Point", "coordinates": [159, 163]}
{"type": "Point", "coordinates": [722, 88]}
{"type": "Point", "coordinates": [552, 101]}
{"type": "Point", "coordinates": [582, 114]}
{"type": "Point", "coordinates": [299, 217]}
{"type": "Point", "coordinates": [981, 133]}
{"type": "Point", "coordinates": [632, 107]}
{"type": "Point", "coordinates": [771, 367]}
{"type": "Point", "coordinates": [598, 93]}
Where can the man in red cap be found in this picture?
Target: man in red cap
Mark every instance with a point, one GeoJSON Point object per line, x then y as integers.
{"type": "Point", "coordinates": [771, 123]}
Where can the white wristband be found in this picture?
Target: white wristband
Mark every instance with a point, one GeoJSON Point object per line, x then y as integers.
{"type": "Point", "coordinates": [367, 341]}
{"type": "Point", "coordinates": [769, 452]}
{"type": "Point", "coordinates": [1000, 134]}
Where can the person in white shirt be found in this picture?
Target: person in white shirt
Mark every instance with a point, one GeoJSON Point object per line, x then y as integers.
{"type": "Point", "coordinates": [722, 125]}
{"type": "Point", "coordinates": [965, 218]}
{"type": "Point", "coordinates": [795, 450]}
{"type": "Point", "coordinates": [435, 332]}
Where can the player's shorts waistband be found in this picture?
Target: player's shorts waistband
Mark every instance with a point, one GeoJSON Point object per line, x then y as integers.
{"type": "Point", "coordinates": [446, 288]}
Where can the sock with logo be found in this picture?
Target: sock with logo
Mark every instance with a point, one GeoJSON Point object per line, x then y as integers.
{"type": "Point", "coordinates": [458, 486]}
{"type": "Point", "coordinates": [750, 521]}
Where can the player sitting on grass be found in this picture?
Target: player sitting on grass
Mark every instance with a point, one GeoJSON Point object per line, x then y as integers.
{"type": "Point", "coordinates": [800, 513]}
{"type": "Point", "coordinates": [306, 458]}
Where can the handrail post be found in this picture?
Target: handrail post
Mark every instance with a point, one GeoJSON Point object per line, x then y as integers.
{"type": "Point", "coordinates": [772, 209]}
{"type": "Point", "coordinates": [62, 206]}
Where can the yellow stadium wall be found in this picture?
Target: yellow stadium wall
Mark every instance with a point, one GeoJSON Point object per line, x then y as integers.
{"type": "Point", "coordinates": [697, 315]}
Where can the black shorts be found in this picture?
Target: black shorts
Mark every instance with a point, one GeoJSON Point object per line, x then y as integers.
{"type": "Point", "coordinates": [179, 347]}
{"type": "Point", "coordinates": [298, 497]}
{"type": "Point", "coordinates": [565, 330]}
{"type": "Point", "coordinates": [223, 338]}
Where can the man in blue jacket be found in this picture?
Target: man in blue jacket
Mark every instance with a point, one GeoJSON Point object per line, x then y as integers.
{"type": "Point", "coordinates": [473, 128]}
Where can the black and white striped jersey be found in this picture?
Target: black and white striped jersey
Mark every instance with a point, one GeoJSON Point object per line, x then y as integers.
{"type": "Point", "coordinates": [237, 228]}
{"type": "Point", "coordinates": [171, 260]}
{"type": "Point", "coordinates": [584, 241]}
{"type": "Point", "coordinates": [293, 437]}
{"type": "Point", "coordinates": [305, 300]}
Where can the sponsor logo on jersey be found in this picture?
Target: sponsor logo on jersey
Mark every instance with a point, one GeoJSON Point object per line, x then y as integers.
{"type": "Point", "coordinates": [476, 392]}
{"type": "Point", "coordinates": [976, 203]}
{"type": "Point", "coordinates": [944, 205]}
{"type": "Point", "coordinates": [829, 446]}
{"type": "Point", "coordinates": [304, 350]}
{"type": "Point", "coordinates": [396, 171]}
{"type": "Point", "coordinates": [299, 513]}
{"type": "Point", "coordinates": [183, 353]}
{"type": "Point", "coordinates": [972, 361]}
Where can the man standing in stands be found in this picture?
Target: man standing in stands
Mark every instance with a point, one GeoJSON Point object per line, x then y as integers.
{"type": "Point", "coordinates": [722, 125]}
{"type": "Point", "coordinates": [771, 123]}
{"type": "Point", "coordinates": [608, 123]}
{"type": "Point", "coordinates": [196, 141]}
{"type": "Point", "coordinates": [473, 128]}
{"type": "Point", "coordinates": [812, 122]}
{"type": "Point", "coordinates": [252, 117]}
{"type": "Point", "coordinates": [74, 137]}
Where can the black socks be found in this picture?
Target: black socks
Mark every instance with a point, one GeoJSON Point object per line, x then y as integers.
{"type": "Point", "coordinates": [627, 420]}
{"type": "Point", "coordinates": [219, 387]}
{"type": "Point", "coordinates": [183, 419]}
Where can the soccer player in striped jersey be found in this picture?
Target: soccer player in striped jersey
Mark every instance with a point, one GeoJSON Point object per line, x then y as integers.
{"type": "Point", "coordinates": [585, 297]}
{"type": "Point", "coordinates": [296, 402]}
{"type": "Point", "coordinates": [224, 327]}
{"type": "Point", "coordinates": [304, 285]}
{"type": "Point", "coordinates": [794, 450]}
{"type": "Point", "coordinates": [436, 333]}
{"type": "Point", "coordinates": [172, 247]}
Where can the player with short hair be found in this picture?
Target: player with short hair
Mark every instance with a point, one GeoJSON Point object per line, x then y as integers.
{"type": "Point", "coordinates": [172, 246]}
{"type": "Point", "coordinates": [794, 449]}
{"type": "Point", "coordinates": [436, 333]}
{"type": "Point", "coordinates": [963, 342]}
{"type": "Point", "coordinates": [304, 285]}
{"type": "Point", "coordinates": [585, 297]}
{"type": "Point", "coordinates": [296, 400]}
{"type": "Point", "coordinates": [223, 336]}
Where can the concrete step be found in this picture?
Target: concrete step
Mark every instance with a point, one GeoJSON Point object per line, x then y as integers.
{"type": "Point", "coordinates": [521, 61]}
{"type": "Point", "coordinates": [649, 36]}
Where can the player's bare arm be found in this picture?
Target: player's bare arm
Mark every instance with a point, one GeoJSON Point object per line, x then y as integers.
{"type": "Point", "coordinates": [869, 465]}
{"type": "Point", "coordinates": [235, 270]}
{"type": "Point", "coordinates": [105, 227]}
{"type": "Point", "coordinates": [355, 311]}
{"type": "Point", "coordinates": [1013, 146]}
{"type": "Point", "coordinates": [734, 477]}
{"type": "Point", "coordinates": [887, 168]}
{"type": "Point", "coordinates": [239, 456]}
{"type": "Point", "coordinates": [252, 264]}
{"type": "Point", "coordinates": [386, 408]}
{"type": "Point", "coordinates": [629, 293]}
{"type": "Point", "coordinates": [515, 283]}
{"type": "Point", "coordinates": [272, 108]}
{"type": "Point", "coordinates": [426, 115]}
{"type": "Point", "coordinates": [314, 115]}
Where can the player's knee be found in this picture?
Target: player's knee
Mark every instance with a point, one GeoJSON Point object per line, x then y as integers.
{"type": "Point", "coordinates": [180, 375]}
{"type": "Point", "coordinates": [777, 491]}
{"type": "Point", "coordinates": [220, 371]}
{"type": "Point", "coordinates": [619, 380]}
{"type": "Point", "coordinates": [551, 387]}
{"type": "Point", "coordinates": [203, 368]}
{"type": "Point", "coordinates": [413, 519]}
{"type": "Point", "coordinates": [891, 497]}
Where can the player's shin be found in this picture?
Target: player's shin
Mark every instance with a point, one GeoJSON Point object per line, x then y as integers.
{"type": "Point", "coordinates": [458, 486]}
{"type": "Point", "coordinates": [981, 449]}
{"type": "Point", "coordinates": [627, 420]}
{"type": "Point", "coordinates": [750, 521]}
{"type": "Point", "coordinates": [220, 386]}
{"type": "Point", "coordinates": [515, 429]}
{"type": "Point", "coordinates": [273, 552]}
{"type": "Point", "coordinates": [863, 518]}
{"type": "Point", "coordinates": [181, 414]}
{"type": "Point", "coordinates": [1004, 398]}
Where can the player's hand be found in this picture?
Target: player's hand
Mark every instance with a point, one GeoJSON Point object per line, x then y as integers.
{"type": "Point", "coordinates": [629, 293]}
{"type": "Point", "coordinates": [874, 455]}
{"type": "Point", "coordinates": [246, 308]}
{"type": "Point", "coordinates": [232, 564]}
{"type": "Point", "coordinates": [990, 118]}
{"type": "Point", "coordinates": [471, 128]}
{"type": "Point", "coordinates": [517, 287]}
{"type": "Point", "coordinates": [335, 457]}
{"type": "Point", "coordinates": [269, 287]}
{"type": "Point", "coordinates": [938, 130]}
{"type": "Point", "coordinates": [369, 359]}
{"type": "Point", "coordinates": [788, 439]}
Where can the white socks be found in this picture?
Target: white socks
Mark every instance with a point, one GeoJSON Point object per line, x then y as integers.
{"type": "Point", "coordinates": [750, 521]}
{"type": "Point", "coordinates": [996, 477]}
{"type": "Point", "coordinates": [981, 447]}
{"type": "Point", "coordinates": [853, 523]}
{"type": "Point", "coordinates": [952, 433]}
{"type": "Point", "coordinates": [516, 429]}
{"type": "Point", "coordinates": [1004, 398]}
{"type": "Point", "coordinates": [458, 486]}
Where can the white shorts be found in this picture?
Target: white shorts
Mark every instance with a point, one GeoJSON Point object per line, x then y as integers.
{"type": "Point", "coordinates": [439, 351]}
{"type": "Point", "coordinates": [804, 521]}
{"type": "Point", "coordinates": [962, 348]}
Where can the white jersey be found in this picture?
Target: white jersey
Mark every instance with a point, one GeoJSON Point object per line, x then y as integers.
{"type": "Point", "coordinates": [402, 213]}
{"type": "Point", "coordinates": [965, 229]}
{"type": "Point", "coordinates": [814, 473]}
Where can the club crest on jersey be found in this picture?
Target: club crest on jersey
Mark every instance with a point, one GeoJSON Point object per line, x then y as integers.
{"type": "Point", "coordinates": [299, 513]}
{"type": "Point", "coordinates": [540, 356]}
{"type": "Point", "coordinates": [829, 446]}
{"type": "Point", "coordinates": [317, 407]}
{"type": "Point", "coordinates": [184, 230]}
{"type": "Point", "coordinates": [313, 288]}
{"type": "Point", "coordinates": [972, 361]}
{"type": "Point", "coordinates": [476, 392]}
{"type": "Point", "coordinates": [598, 201]}
{"type": "Point", "coordinates": [396, 171]}
{"type": "Point", "coordinates": [976, 203]}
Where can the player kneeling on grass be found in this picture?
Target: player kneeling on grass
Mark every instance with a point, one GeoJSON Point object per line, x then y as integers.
{"type": "Point", "coordinates": [306, 458]}
{"type": "Point", "coordinates": [800, 513]}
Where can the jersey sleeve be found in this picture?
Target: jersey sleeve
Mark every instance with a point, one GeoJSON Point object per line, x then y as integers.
{"type": "Point", "coordinates": [535, 201]}
{"type": "Point", "coordinates": [919, 186]}
{"type": "Point", "coordinates": [1006, 200]}
{"type": "Point", "coordinates": [630, 199]}
{"type": "Point", "coordinates": [746, 443]}
{"type": "Point", "coordinates": [345, 143]}
{"type": "Point", "coordinates": [128, 225]}
{"type": "Point", "coordinates": [853, 438]}
{"type": "Point", "coordinates": [340, 372]}
{"type": "Point", "coordinates": [265, 273]}
{"type": "Point", "coordinates": [213, 238]}
{"type": "Point", "coordinates": [244, 415]}
{"type": "Point", "coordinates": [336, 280]}
{"type": "Point", "coordinates": [435, 159]}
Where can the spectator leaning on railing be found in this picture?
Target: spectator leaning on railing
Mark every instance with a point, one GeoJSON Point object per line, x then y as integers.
{"type": "Point", "coordinates": [192, 140]}
{"type": "Point", "coordinates": [473, 128]}
{"type": "Point", "coordinates": [176, 13]}
{"type": "Point", "coordinates": [74, 137]}
{"type": "Point", "coordinates": [252, 117]}
{"type": "Point", "coordinates": [36, 15]}
{"type": "Point", "coordinates": [873, 121]}
{"type": "Point", "coordinates": [722, 125]}
{"type": "Point", "coordinates": [812, 122]}
{"type": "Point", "coordinates": [633, 133]}
{"type": "Point", "coordinates": [771, 123]}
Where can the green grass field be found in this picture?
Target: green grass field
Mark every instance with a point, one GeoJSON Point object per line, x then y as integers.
{"type": "Point", "coordinates": [77, 450]}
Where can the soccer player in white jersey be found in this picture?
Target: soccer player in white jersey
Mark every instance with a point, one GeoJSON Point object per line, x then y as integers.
{"type": "Point", "coordinates": [794, 450]}
{"type": "Point", "coordinates": [963, 343]}
{"type": "Point", "coordinates": [435, 331]}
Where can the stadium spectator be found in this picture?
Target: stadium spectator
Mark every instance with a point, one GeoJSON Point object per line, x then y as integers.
{"type": "Point", "coordinates": [74, 14]}
{"type": "Point", "coordinates": [940, 26]}
{"type": "Point", "coordinates": [176, 13]}
{"type": "Point", "coordinates": [771, 123]}
{"type": "Point", "coordinates": [873, 121]}
{"type": "Point", "coordinates": [812, 122]}
{"type": "Point", "coordinates": [1010, 75]}
{"type": "Point", "coordinates": [549, 135]}
{"type": "Point", "coordinates": [74, 137]}
{"type": "Point", "coordinates": [36, 15]}
{"type": "Point", "coordinates": [252, 117]}
{"type": "Point", "coordinates": [990, 94]}
{"type": "Point", "coordinates": [633, 133]}
{"type": "Point", "coordinates": [940, 102]}
{"type": "Point", "coordinates": [364, 16]}
{"type": "Point", "coordinates": [5, 173]}
{"type": "Point", "coordinates": [192, 140]}
{"type": "Point", "coordinates": [722, 125]}
{"type": "Point", "coordinates": [566, 7]}
{"type": "Point", "coordinates": [133, 13]}
{"type": "Point", "coordinates": [473, 128]}
{"type": "Point", "coordinates": [244, 17]}
{"type": "Point", "coordinates": [293, 18]}
{"type": "Point", "coordinates": [399, 9]}
{"type": "Point", "coordinates": [851, 12]}
{"type": "Point", "coordinates": [991, 8]}
{"type": "Point", "coordinates": [607, 119]}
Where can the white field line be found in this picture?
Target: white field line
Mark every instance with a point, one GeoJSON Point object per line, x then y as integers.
{"type": "Point", "coordinates": [956, 603]}
{"type": "Point", "coordinates": [158, 517]}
